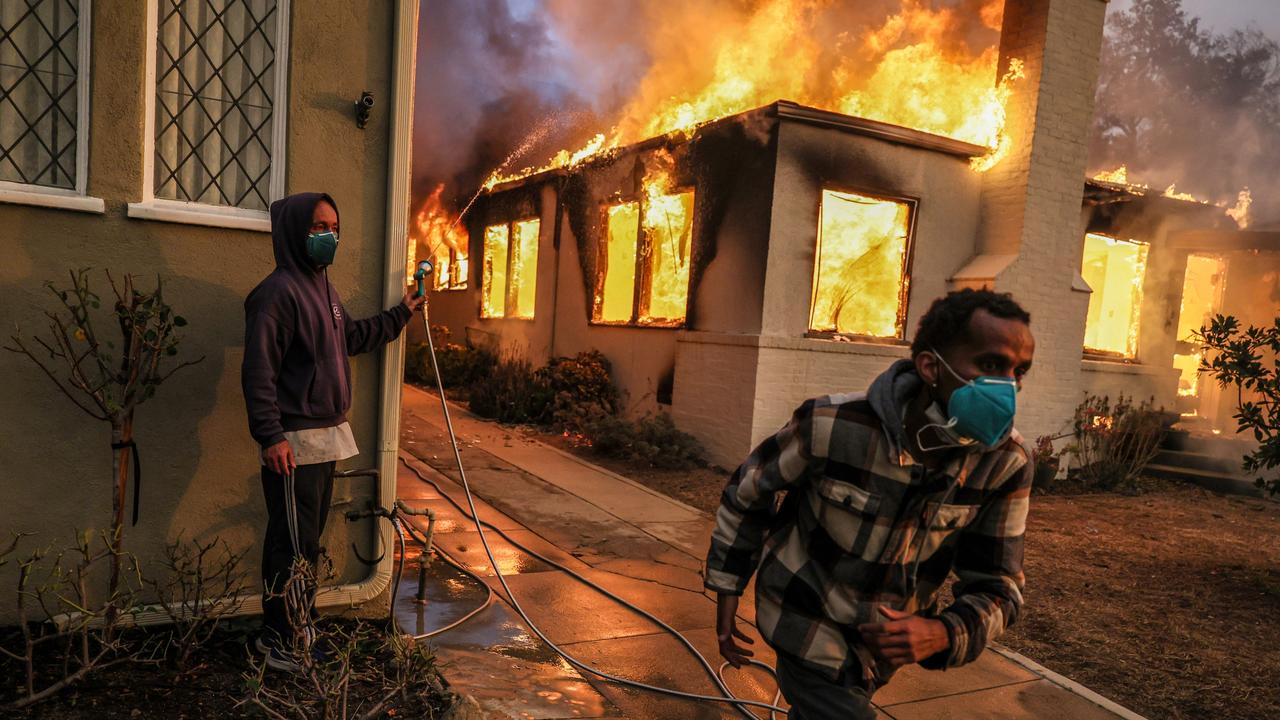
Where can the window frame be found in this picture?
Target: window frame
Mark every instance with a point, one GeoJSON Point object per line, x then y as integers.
{"type": "Point", "coordinates": [193, 213]}
{"type": "Point", "coordinates": [76, 198]}
{"type": "Point", "coordinates": [643, 270]}
{"type": "Point", "coordinates": [454, 285]}
{"type": "Point", "coordinates": [908, 264]}
{"type": "Point", "coordinates": [510, 225]}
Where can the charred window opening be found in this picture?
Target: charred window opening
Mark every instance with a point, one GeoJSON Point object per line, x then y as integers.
{"type": "Point", "coordinates": [861, 272]}
{"type": "Point", "coordinates": [1115, 269]}
{"type": "Point", "coordinates": [510, 277]}
{"type": "Point", "coordinates": [643, 276]}
{"type": "Point", "coordinates": [450, 268]}
{"type": "Point", "coordinates": [1202, 288]}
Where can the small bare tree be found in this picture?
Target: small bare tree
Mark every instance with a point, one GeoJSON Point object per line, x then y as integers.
{"type": "Point", "coordinates": [203, 584]}
{"type": "Point", "coordinates": [106, 382]}
{"type": "Point", "coordinates": [57, 609]}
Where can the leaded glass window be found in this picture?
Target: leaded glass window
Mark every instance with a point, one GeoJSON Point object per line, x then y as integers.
{"type": "Point", "coordinates": [216, 79]}
{"type": "Point", "coordinates": [39, 92]}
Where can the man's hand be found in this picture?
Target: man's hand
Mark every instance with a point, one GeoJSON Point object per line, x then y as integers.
{"type": "Point", "coordinates": [412, 300]}
{"type": "Point", "coordinates": [905, 638]}
{"type": "Point", "coordinates": [727, 631]}
{"type": "Point", "coordinates": [279, 458]}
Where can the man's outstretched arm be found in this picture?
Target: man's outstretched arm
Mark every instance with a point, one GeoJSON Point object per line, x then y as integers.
{"type": "Point", "coordinates": [369, 334]}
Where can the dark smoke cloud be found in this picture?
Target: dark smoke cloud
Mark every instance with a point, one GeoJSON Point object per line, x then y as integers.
{"type": "Point", "coordinates": [1179, 104]}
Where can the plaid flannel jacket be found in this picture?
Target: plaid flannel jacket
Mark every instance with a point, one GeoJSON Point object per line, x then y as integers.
{"type": "Point", "coordinates": [860, 525]}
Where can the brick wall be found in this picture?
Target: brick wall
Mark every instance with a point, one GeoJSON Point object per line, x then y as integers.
{"type": "Point", "coordinates": [1031, 199]}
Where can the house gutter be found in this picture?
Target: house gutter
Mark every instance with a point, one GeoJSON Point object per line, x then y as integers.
{"type": "Point", "coordinates": [394, 279]}
{"type": "Point", "coordinates": [392, 370]}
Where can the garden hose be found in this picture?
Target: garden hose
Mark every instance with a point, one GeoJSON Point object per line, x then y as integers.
{"type": "Point", "coordinates": [727, 697]}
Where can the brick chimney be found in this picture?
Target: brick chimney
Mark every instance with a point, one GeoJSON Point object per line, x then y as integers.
{"type": "Point", "coordinates": [1030, 235]}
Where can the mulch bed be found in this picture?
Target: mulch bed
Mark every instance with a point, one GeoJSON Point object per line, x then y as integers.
{"type": "Point", "coordinates": [210, 688]}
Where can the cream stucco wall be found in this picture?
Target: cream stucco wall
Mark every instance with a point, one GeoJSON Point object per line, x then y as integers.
{"type": "Point", "coordinates": [200, 465]}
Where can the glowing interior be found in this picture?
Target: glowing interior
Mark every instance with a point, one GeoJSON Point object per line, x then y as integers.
{"type": "Point", "coordinates": [617, 287]}
{"type": "Point", "coordinates": [524, 269]}
{"type": "Point", "coordinates": [493, 302]}
{"type": "Point", "coordinates": [861, 265]}
{"type": "Point", "coordinates": [1201, 299]}
{"type": "Point", "coordinates": [1115, 270]}
{"type": "Point", "coordinates": [668, 222]}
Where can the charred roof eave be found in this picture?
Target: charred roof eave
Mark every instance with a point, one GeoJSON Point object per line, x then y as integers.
{"type": "Point", "coordinates": [781, 110]}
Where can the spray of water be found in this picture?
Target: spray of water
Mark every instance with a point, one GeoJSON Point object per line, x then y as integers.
{"type": "Point", "coordinates": [535, 136]}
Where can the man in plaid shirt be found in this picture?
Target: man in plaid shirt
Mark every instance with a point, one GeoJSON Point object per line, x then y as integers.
{"type": "Point", "coordinates": [854, 513]}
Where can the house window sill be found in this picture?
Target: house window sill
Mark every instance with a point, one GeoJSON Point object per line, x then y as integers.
{"type": "Point", "coordinates": [197, 214]}
{"type": "Point", "coordinates": [37, 196]}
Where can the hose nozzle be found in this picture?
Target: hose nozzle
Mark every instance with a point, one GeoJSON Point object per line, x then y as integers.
{"type": "Point", "coordinates": [420, 275]}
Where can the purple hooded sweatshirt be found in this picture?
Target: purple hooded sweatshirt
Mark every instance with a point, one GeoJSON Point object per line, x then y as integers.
{"type": "Point", "coordinates": [297, 335]}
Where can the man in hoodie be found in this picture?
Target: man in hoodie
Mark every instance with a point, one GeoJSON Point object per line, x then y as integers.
{"type": "Point", "coordinates": [297, 390]}
{"type": "Point", "coordinates": [854, 513]}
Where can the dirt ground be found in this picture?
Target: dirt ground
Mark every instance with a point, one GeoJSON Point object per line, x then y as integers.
{"type": "Point", "coordinates": [1167, 602]}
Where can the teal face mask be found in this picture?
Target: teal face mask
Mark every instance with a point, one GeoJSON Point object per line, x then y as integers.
{"type": "Point", "coordinates": [981, 410]}
{"type": "Point", "coordinates": [321, 248]}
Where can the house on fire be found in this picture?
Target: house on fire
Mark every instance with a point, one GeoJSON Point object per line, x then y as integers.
{"type": "Point", "coordinates": [789, 251]}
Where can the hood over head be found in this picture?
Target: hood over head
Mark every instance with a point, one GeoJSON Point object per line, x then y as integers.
{"type": "Point", "coordinates": [290, 225]}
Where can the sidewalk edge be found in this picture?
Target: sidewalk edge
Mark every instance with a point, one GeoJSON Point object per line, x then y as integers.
{"type": "Point", "coordinates": [1065, 683]}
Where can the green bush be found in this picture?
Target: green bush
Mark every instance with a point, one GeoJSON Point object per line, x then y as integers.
{"type": "Point", "coordinates": [460, 365]}
{"type": "Point", "coordinates": [581, 388]}
{"type": "Point", "coordinates": [654, 440]}
{"type": "Point", "coordinates": [510, 393]}
{"type": "Point", "coordinates": [1246, 359]}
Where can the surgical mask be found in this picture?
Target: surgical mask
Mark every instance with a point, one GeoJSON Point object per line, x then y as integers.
{"type": "Point", "coordinates": [979, 411]}
{"type": "Point", "coordinates": [322, 247]}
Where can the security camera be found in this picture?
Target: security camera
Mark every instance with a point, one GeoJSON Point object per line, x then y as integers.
{"type": "Point", "coordinates": [364, 107]}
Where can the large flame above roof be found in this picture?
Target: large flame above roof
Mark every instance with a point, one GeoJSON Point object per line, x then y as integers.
{"type": "Point", "coordinates": [929, 66]}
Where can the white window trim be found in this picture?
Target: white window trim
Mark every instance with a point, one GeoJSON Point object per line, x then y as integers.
{"type": "Point", "coordinates": [63, 198]}
{"type": "Point", "coordinates": [191, 213]}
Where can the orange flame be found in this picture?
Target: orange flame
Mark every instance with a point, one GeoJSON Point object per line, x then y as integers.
{"type": "Point", "coordinates": [910, 71]}
{"type": "Point", "coordinates": [439, 236]}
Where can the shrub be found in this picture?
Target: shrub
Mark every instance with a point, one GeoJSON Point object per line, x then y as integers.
{"type": "Point", "coordinates": [653, 440]}
{"type": "Point", "coordinates": [1236, 358]}
{"type": "Point", "coordinates": [460, 365]}
{"type": "Point", "coordinates": [510, 393]}
{"type": "Point", "coordinates": [1113, 443]}
{"type": "Point", "coordinates": [581, 390]}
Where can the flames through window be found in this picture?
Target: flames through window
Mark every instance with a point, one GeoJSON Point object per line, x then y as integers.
{"type": "Point", "coordinates": [510, 278]}
{"type": "Point", "coordinates": [1202, 288]}
{"type": "Point", "coordinates": [860, 278]}
{"type": "Point", "coordinates": [643, 275]}
{"type": "Point", "coordinates": [1115, 270]}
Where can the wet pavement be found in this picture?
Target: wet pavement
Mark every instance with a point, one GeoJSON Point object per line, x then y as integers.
{"type": "Point", "coordinates": [642, 546]}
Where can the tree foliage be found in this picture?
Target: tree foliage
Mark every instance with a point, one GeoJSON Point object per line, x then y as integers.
{"type": "Point", "coordinates": [1178, 103]}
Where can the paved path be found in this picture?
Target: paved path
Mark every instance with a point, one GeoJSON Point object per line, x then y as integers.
{"type": "Point", "coordinates": [645, 547]}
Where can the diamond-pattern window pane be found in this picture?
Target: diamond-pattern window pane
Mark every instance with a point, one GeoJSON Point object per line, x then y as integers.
{"type": "Point", "coordinates": [38, 100]}
{"type": "Point", "coordinates": [215, 80]}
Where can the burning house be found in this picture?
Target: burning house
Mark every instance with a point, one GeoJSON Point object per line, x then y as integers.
{"type": "Point", "coordinates": [736, 266]}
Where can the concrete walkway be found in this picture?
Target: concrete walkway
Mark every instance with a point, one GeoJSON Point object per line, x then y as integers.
{"type": "Point", "coordinates": [645, 547]}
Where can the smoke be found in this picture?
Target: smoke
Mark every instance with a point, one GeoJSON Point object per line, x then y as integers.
{"type": "Point", "coordinates": [1178, 104]}
{"type": "Point", "coordinates": [507, 83]}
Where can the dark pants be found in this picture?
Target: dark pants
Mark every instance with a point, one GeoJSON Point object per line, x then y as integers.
{"type": "Point", "coordinates": [297, 507]}
{"type": "Point", "coordinates": [814, 696]}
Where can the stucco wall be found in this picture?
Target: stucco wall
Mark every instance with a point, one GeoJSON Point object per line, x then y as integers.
{"type": "Point", "coordinates": [200, 465]}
